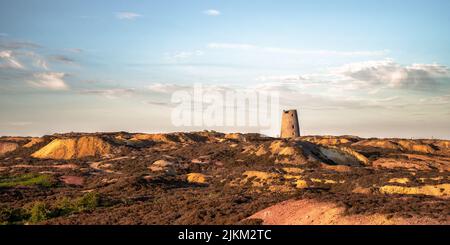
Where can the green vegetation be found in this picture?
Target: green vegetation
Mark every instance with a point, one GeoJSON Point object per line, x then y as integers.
{"type": "Point", "coordinates": [40, 211]}
{"type": "Point", "coordinates": [64, 206]}
{"type": "Point", "coordinates": [87, 202]}
{"type": "Point", "coordinates": [27, 180]}
{"type": "Point", "coordinates": [12, 215]}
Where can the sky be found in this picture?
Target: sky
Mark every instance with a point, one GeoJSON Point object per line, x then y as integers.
{"type": "Point", "coordinates": [368, 67]}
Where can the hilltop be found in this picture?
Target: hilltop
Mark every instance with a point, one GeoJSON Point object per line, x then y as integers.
{"type": "Point", "coordinates": [214, 178]}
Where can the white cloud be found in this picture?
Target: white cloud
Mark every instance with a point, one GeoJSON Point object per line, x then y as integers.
{"type": "Point", "coordinates": [244, 46]}
{"type": "Point", "coordinates": [165, 87]}
{"type": "Point", "coordinates": [8, 60]}
{"type": "Point", "coordinates": [212, 12]}
{"type": "Point", "coordinates": [36, 59]}
{"type": "Point", "coordinates": [436, 100]}
{"type": "Point", "coordinates": [127, 15]}
{"type": "Point", "coordinates": [370, 76]}
{"type": "Point", "coordinates": [49, 80]}
{"type": "Point", "coordinates": [281, 78]}
{"type": "Point", "coordinates": [111, 93]}
{"type": "Point", "coordinates": [74, 50]}
{"type": "Point", "coordinates": [388, 73]}
{"type": "Point", "coordinates": [182, 55]}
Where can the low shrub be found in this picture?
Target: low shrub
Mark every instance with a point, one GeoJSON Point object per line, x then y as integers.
{"type": "Point", "coordinates": [27, 180]}
{"type": "Point", "coordinates": [39, 212]}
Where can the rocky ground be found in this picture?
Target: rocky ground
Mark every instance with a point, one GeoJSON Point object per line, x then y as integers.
{"type": "Point", "coordinates": [215, 178]}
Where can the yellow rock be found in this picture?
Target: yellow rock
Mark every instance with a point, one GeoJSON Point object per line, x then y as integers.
{"type": "Point", "coordinates": [293, 170]}
{"type": "Point", "coordinates": [164, 138]}
{"type": "Point", "coordinates": [260, 175]}
{"type": "Point", "coordinates": [279, 148]}
{"type": "Point", "coordinates": [289, 176]}
{"type": "Point", "coordinates": [437, 178]}
{"type": "Point", "coordinates": [415, 146]}
{"type": "Point", "coordinates": [197, 178]}
{"type": "Point", "coordinates": [235, 136]}
{"type": "Point", "coordinates": [162, 163]}
{"type": "Point", "coordinates": [261, 151]}
{"type": "Point", "coordinates": [329, 181]}
{"type": "Point", "coordinates": [260, 178]}
{"type": "Point", "coordinates": [326, 181]}
{"type": "Point", "coordinates": [255, 150]}
{"type": "Point", "coordinates": [399, 180]}
{"type": "Point", "coordinates": [71, 148]}
{"type": "Point", "coordinates": [442, 190]}
{"type": "Point", "coordinates": [301, 184]}
{"type": "Point", "coordinates": [378, 143]}
{"type": "Point", "coordinates": [33, 141]}
{"type": "Point", "coordinates": [280, 188]}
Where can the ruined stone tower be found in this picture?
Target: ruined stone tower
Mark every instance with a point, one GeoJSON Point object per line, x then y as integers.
{"type": "Point", "coordinates": [289, 124]}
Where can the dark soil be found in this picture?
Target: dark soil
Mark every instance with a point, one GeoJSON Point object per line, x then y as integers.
{"type": "Point", "coordinates": [132, 194]}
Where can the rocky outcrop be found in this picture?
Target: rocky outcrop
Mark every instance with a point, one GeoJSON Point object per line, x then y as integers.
{"type": "Point", "coordinates": [378, 143]}
{"type": "Point", "coordinates": [442, 190]}
{"type": "Point", "coordinates": [416, 146]}
{"type": "Point", "coordinates": [163, 166]}
{"type": "Point", "coordinates": [330, 140]}
{"type": "Point", "coordinates": [6, 147]}
{"type": "Point", "coordinates": [197, 178]}
{"type": "Point", "coordinates": [33, 142]}
{"type": "Point", "coordinates": [344, 156]}
{"type": "Point", "coordinates": [72, 148]}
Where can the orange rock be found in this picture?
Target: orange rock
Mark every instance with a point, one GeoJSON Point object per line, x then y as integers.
{"type": "Point", "coordinates": [71, 148]}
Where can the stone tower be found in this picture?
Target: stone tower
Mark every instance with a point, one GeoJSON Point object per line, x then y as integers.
{"type": "Point", "coordinates": [289, 124]}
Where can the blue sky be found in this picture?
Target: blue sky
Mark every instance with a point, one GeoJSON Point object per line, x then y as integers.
{"type": "Point", "coordinates": [370, 68]}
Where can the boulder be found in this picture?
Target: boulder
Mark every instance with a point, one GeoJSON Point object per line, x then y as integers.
{"type": "Point", "coordinates": [197, 178]}
{"type": "Point", "coordinates": [163, 166]}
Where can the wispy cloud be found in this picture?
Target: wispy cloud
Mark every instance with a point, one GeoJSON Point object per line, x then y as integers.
{"type": "Point", "coordinates": [16, 44]}
{"type": "Point", "coordinates": [49, 80]}
{"type": "Point", "coordinates": [182, 55]}
{"type": "Point", "coordinates": [111, 93]}
{"type": "Point", "coordinates": [388, 73]}
{"type": "Point", "coordinates": [165, 87]}
{"type": "Point", "coordinates": [127, 15]}
{"type": "Point", "coordinates": [279, 50]}
{"type": "Point", "coordinates": [436, 100]}
{"type": "Point", "coordinates": [212, 12]}
{"type": "Point", "coordinates": [159, 103]}
{"type": "Point", "coordinates": [62, 58]}
{"type": "Point", "coordinates": [74, 50]}
{"type": "Point", "coordinates": [281, 78]}
{"type": "Point", "coordinates": [8, 60]}
{"type": "Point", "coordinates": [370, 76]}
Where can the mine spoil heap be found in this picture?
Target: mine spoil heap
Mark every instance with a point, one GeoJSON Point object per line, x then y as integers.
{"type": "Point", "coordinates": [210, 177]}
